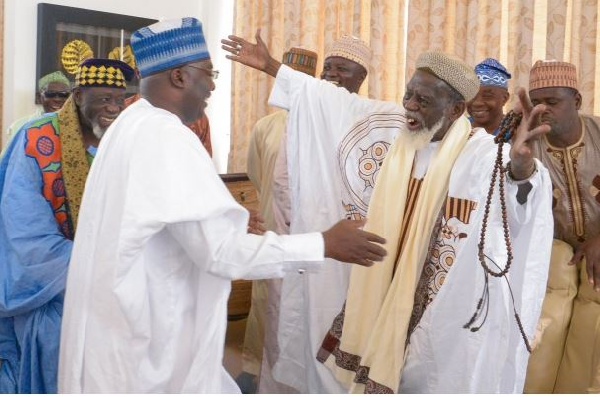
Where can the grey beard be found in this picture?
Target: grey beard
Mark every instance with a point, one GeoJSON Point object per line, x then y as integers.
{"type": "Point", "coordinates": [97, 130]}
{"type": "Point", "coordinates": [421, 137]}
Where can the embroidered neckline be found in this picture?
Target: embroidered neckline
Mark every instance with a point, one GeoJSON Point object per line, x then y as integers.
{"type": "Point", "coordinates": [574, 145]}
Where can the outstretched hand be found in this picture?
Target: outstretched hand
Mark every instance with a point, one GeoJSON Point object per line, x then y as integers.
{"type": "Point", "coordinates": [346, 242]}
{"type": "Point", "coordinates": [254, 55]}
{"type": "Point", "coordinates": [521, 151]}
{"type": "Point", "coordinates": [256, 223]}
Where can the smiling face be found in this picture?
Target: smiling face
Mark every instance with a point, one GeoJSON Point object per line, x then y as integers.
{"type": "Point", "coordinates": [429, 101]}
{"type": "Point", "coordinates": [197, 91]}
{"type": "Point", "coordinates": [344, 73]}
{"type": "Point", "coordinates": [98, 107]}
{"type": "Point", "coordinates": [54, 96]}
{"type": "Point", "coordinates": [486, 107]}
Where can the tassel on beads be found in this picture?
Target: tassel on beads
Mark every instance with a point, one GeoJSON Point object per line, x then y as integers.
{"type": "Point", "coordinates": [508, 125]}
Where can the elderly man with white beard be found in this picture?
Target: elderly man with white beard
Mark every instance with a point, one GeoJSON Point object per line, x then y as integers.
{"type": "Point", "coordinates": [42, 177]}
{"type": "Point", "coordinates": [445, 312]}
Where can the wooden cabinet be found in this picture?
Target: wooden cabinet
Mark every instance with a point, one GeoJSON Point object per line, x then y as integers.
{"type": "Point", "coordinates": [242, 190]}
{"type": "Point", "coordinates": [244, 193]}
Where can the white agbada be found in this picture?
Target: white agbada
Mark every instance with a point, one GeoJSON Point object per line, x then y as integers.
{"type": "Point", "coordinates": [336, 144]}
{"type": "Point", "coordinates": [158, 241]}
{"type": "Point", "coordinates": [367, 351]}
{"type": "Point", "coordinates": [442, 356]}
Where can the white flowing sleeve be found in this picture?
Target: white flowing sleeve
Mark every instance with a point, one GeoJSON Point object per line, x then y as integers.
{"type": "Point", "coordinates": [529, 211]}
{"type": "Point", "coordinates": [236, 254]}
{"type": "Point", "coordinates": [317, 106]}
{"type": "Point", "coordinates": [522, 196]}
{"type": "Point", "coordinates": [174, 188]}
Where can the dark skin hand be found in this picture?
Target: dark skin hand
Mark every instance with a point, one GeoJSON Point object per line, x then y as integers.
{"type": "Point", "coordinates": [346, 242]}
{"type": "Point", "coordinates": [522, 148]}
{"type": "Point", "coordinates": [522, 163]}
{"type": "Point", "coordinates": [256, 223]}
{"type": "Point", "coordinates": [254, 55]}
{"type": "Point", "coordinates": [590, 250]}
{"type": "Point", "coordinates": [521, 153]}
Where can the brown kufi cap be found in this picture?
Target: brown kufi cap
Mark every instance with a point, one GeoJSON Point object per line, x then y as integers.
{"type": "Point", "coordinates": [452, 70]}
{"type": "Point", "coordinates": [546, 74]}
{"type": "Point", "coordinates": [301, 60]}
{"type": "Point", "coordinates": [351, 48]}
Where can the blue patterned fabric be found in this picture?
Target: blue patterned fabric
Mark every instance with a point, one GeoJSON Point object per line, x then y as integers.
{"type": "Point", "coordinates": [34, 256]}
{"type": "Point", "coordinates": [492, 73]}
{"type": "Point", "coordinates": [168, 44]}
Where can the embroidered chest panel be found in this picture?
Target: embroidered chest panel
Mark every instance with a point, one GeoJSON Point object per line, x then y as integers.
{"type": "Point", "coordinates": [360, 157]}
{"type": "Point", "coordinates": [575, 174]}
{"type": "Point", "coordinates": [449, 230]}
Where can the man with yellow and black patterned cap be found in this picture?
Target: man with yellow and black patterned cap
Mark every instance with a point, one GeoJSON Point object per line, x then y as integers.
{"type": "Point", "coordinates": [42, 176]}
{"type": "Point", "coordinates": [405, 325]}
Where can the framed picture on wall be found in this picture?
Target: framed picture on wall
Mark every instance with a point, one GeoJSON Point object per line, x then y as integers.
{"type": "Point", "coordinates": [68, 35]}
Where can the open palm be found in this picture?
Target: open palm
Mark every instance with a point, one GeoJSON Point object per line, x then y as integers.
{"type": "Point", "coordinates": [254, 55]}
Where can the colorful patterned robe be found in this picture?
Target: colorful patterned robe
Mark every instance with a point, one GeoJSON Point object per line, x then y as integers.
{"type": "Point", "coordinates": [36, 232]}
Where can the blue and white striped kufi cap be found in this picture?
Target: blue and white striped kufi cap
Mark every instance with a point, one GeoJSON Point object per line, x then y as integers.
{"type": "Point", "coordinates": [168, 44]}
{"type": "Point", "coordinates": [491, 72]}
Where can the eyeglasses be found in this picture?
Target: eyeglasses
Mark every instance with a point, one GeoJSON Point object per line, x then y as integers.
{"type": "Point", "coordinates": [214, 74]}
{"type": "Point", "coordinates": [56, 94]}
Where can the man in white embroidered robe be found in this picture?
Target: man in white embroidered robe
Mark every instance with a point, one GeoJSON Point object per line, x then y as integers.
{"type": "Point", "coordinates": [332, 165]}
{"type": "Point", "coordinates": [427, 292]}
{"type": "Point", "coordinates": [442, 357]}
{"type": "Point", "coordinates": [335, 147]}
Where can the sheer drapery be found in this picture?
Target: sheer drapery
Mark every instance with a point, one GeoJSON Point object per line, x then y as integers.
{"type": "Point", "coordinates": [313, 24]}
{"type": "Point", "coordinates": [516, 32]}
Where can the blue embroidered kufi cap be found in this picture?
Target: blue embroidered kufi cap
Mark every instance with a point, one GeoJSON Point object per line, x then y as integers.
{"type": "Point", "coordinates": [491, 72]}
{"type": "Point", "coordinates": [168, 44]}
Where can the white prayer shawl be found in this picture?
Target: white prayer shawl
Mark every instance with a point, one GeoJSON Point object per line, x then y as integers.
{"type": "Point", "coordinates": [442, 356]}
{"type": "Point", "coordinates": [336, 144]}
{"type": "Point", "coordinates": [158, 240]}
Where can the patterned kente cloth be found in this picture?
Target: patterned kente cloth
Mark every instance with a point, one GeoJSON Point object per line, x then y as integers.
{"type": "Point", "coordinates": [56, 155]}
